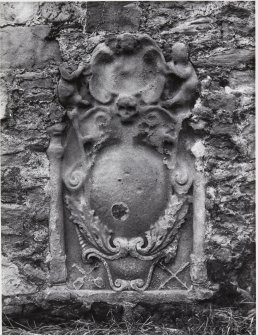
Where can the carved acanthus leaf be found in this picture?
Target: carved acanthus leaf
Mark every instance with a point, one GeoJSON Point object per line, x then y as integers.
{"type": "Point", "coordinates": [161, 238]}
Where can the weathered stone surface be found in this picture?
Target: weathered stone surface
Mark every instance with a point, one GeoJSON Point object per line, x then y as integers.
{"type": "Point", "coordinates": [13, 283]}
{"type": "Point", "coordinates": [115, 17]}
{"type": "Point", "coordinates": [220, 36]}
{"type": "Point", "coordinates": [17, 13]}
{"type": "Point", "coordinates": [228, 58]}
{"type": "Point", "coordinates": [63, 12]}
{"type": "Point", "coordinates": [32, 49]}
{"type": "Point", "coordinates": [3, 99]}
{"type": "Point", "coordinates": [13, 218]}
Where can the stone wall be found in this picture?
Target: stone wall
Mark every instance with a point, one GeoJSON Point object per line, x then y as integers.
{"type": "Point", "coordinates": [37, 37]}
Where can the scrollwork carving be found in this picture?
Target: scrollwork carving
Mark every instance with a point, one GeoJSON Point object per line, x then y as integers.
{"type": "Point", "coordinates": [74, 179]}
{"type": "Point", "coordinates": [128, 102]}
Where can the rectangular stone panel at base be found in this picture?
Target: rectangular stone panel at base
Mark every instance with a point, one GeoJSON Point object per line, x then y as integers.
{"type": "Point", "coordinates": [62, 294]}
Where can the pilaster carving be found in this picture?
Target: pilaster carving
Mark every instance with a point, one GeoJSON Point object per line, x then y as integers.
{"type": "Point", "coordinates": [56, 223]}
{"type": "Point", "coordinates": [124, 170]}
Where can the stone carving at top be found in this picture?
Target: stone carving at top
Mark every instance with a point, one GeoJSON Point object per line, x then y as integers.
{"type": "Point", "coordinates": [126, 169]}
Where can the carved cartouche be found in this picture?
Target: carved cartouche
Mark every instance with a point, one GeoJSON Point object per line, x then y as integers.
{"type": "Point", "coordinates": [127, 173]}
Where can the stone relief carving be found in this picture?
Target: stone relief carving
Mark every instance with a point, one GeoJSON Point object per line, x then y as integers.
{"type": "Point", "coordinates": [122, 167]}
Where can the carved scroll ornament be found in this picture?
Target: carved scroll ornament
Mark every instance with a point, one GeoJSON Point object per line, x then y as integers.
{"type": "Point", "coordinates": [126, 170]}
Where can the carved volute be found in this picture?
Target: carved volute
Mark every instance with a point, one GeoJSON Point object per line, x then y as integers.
{"type": "Point", "coordinates": [131, 200]}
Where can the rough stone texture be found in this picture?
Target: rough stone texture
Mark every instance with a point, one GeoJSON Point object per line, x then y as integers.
{"type": "Point", "coordinates": [3, 99]}
{"type": "Point", "coordinates": [113, 17]}
{"type": "Point", "coordinates": [13, 282]}
{"type": "Point", "coordinates": [17, 13]}
{"type": "Point", "coordinates": [27, 47]}
{"type": "Point", "coordinates": [220, 36]}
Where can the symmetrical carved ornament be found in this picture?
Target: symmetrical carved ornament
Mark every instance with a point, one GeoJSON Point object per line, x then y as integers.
{"type": "Point", "coordinates": [123, 168]}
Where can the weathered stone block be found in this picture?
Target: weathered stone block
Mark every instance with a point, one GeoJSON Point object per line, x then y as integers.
{"type": "Point", "coordinates": [115, 16]}
{"type": "Point", "coordinates": [13, 282]}
{"type": "Point", "coordinates": [221, 100]}
{"type": "Point", "coordinates": [17, 13]}
{"type": "Point", "coordinates": [37, 83]}
{"type": "Point", "coordinates": [3, 99]}
{"type": "Point", "coordinates": [13, 217]}
{"type": "Point", "coordinates": [31, 45]}
{"type": "Point", "coordinates": [228, 58]}
{"type": "Point", "coordinates": [242, 81]}
{"type": "Point", "coordinates": [63, 12]}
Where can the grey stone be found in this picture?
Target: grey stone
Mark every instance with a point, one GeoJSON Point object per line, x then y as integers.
{"type": "Point", "coordinates": [13, 217]}
{"type": "Point", "coordinates": [242, 81]}
{"type": "Point", "coordinates": [17, 13]}
{"type": "Point", "coordinates": [3, 99]}
{"type": "Point", "coordinates": [34, 273]}
{"type": "Point", "coordinates": [37, 83]}
{"type": "Point", "coordinates": [221, 40]}
{"type": "Point", "coordinates": [228, 58]}
{"type": "Point", "coordinates": [12, 310]}
{"type": "Point", "coordinates": [31, 45]}
{"type": "Point", "coordinates": [123, 214]}
{"type": "Point", "coordinates": [63, 12]}
{"type": "Point", "coordinates": [13, 282]}
{"type": "Point", "coordinates": [115, 17]}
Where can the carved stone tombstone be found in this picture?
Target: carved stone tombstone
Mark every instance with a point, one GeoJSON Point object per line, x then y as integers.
{"type": "Point", "coordinates": [127, 218]}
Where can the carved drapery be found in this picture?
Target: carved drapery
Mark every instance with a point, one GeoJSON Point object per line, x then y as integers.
{"type": "Point", "coordinates": [126, 172]}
